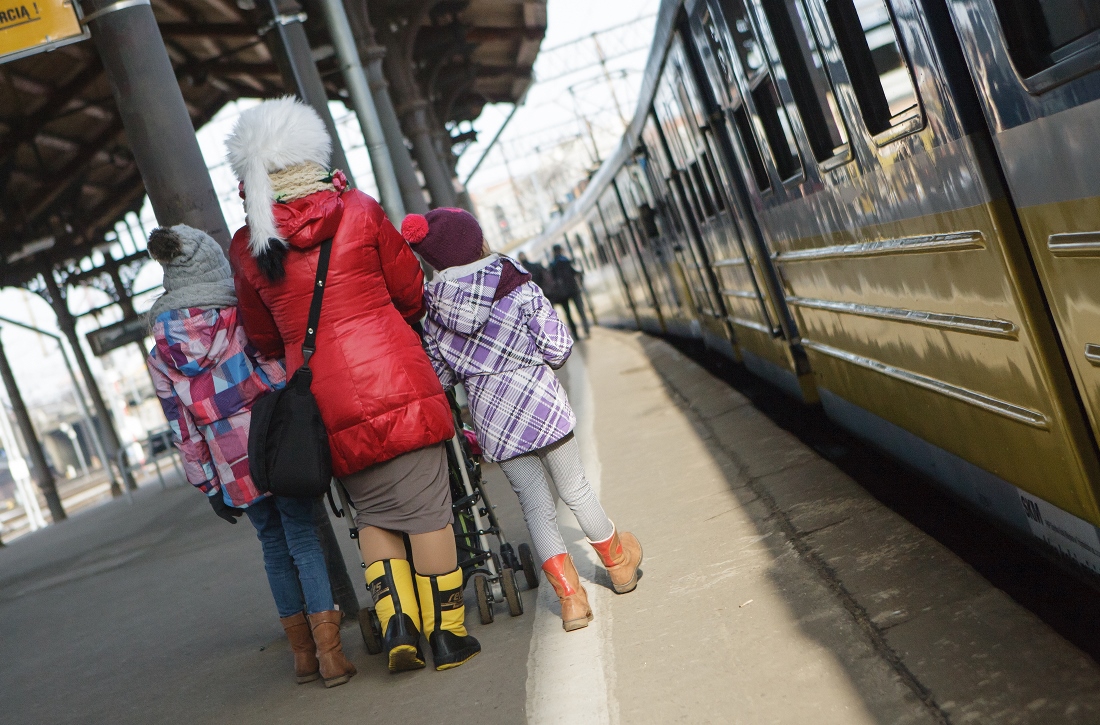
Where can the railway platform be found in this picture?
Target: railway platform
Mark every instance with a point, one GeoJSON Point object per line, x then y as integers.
{"type": "Point", "coordinates": [774, 590]}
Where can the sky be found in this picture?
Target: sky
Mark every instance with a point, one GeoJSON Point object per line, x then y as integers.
{"type": "Point", "coordinates": [550, 114]}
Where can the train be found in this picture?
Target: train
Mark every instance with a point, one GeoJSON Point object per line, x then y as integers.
{"type": "Point", "coordinates": [890, 208]}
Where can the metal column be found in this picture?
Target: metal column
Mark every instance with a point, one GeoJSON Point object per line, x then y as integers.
{"type": "Point", "coordinates": [158, 127]}
{"type": "Point", "coordinates": [67, 323]}
{"type": "Point", "coordinates": [373, 53]}
{"type": "Point", "coordinates": [411, 192]}
{"type": "Point", "coordinates": [369, 121]}
{"type": "Point", "coordinates": [440, 186]}
{"type": "Point", "coordinates": [413, 111]}
{"type": "Point", "coordinates": [42, 473]}
{"type": "Point", "coordinates": [289, 46]}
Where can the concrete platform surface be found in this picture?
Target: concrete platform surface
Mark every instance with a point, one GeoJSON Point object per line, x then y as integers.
{"type": "Point", "coordinates": [775, 590]}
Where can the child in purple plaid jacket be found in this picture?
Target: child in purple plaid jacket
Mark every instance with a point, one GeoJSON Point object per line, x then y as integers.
{"type": "Point", "coordinates": [490, 327]}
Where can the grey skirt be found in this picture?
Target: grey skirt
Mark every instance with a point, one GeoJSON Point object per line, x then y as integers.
{"type": "Point", "coordinates": [410, 493]}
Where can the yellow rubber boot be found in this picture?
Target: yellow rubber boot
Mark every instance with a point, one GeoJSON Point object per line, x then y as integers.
{"type": "Point", "coordinates": [391, 585]}
{"type": "Point", "coordinates": [442, 613]}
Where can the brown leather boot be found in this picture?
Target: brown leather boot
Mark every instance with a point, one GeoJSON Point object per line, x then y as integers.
{"type": "Point", "coordinates": [621, 555]}
{"type": "Point", "coordinates": [306, 667]}
{"type": "Point", "coordinates": [335, 667]}
{"type": "Point", "coordinates": [562, 575]}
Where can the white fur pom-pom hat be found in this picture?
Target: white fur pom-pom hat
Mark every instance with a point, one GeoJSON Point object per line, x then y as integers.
{"type": "Point", "coordinates": [270, 137]}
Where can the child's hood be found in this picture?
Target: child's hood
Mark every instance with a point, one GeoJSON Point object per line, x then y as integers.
{"type": "Point", "coordinates": [461, 298]}
{"type": "Point", "coordinates": [194, 340]}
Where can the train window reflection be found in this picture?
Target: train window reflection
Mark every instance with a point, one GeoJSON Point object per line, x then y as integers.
{"type": "Point", "coordinates": [777, 129]}
{"type": "Point", "coordinates": [773, 118]}
{"type": "Point", "coordinates": [744, 130]}
{"type": "Point", "coordinates": [877, 67]}
{"type": "Point", "coordinates": [1042, 33]}
{"type": "Point", "coordinates": [810, 86]}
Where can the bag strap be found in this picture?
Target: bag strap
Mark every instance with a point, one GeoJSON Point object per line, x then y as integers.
{"type": "Point", "coordinates": [309, 344]}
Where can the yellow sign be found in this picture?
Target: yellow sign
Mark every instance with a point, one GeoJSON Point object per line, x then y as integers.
{"type": "Point", "coordinates": [32, 26]}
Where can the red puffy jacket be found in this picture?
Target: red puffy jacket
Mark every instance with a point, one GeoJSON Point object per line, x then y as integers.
{"type": "Point", "coordinates": [376, 389]}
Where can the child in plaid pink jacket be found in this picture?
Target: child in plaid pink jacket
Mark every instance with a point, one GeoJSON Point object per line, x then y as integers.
{"type": "Point", "coordinates": [207, 377]}
{"type": "Point", "coordinates": [491, 328]}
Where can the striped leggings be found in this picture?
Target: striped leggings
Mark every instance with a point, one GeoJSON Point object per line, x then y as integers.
{"type": "Point", "coordinates": [528, 476]}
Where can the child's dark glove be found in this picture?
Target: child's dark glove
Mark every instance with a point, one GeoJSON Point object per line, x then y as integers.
{"type": "Point", "coordinates": [224, 510]}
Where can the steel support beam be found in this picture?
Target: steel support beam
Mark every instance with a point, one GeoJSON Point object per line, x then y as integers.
{"type": "Point", "coordinates": [411, 106]}
{"type": "Point", "coordinates": [411, 193]}
{"type": "Point", "coordinates": [290, 48]}
{"type": "Point", "coordinates": [414, 113]}
{"type": "Point", "coordinates": [67, 323]}
{"type": "Point", "coordinates": [42, 473]}
{"type": "Point", "coordinates": [158, 126]}
{"type": "Point", "coordinates": [356, 80]}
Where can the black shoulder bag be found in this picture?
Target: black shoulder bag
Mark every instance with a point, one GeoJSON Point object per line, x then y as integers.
{"type": "Point", "coordinates": [288, 453]}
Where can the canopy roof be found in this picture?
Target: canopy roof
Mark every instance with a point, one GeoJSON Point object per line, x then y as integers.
{"type": "Point", "coordinates": [66, 172]}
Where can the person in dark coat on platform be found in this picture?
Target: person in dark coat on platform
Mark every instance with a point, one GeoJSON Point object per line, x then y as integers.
{"type": "Point", "coordinates": [535, 269]}
{"type": "Point", "coordinates": [385, 411]}
{"type": "Point", "coordinates": [563, 288]}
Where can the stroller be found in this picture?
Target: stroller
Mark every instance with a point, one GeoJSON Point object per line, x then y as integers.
{"type": "Point", "coordinates": [495, 573]}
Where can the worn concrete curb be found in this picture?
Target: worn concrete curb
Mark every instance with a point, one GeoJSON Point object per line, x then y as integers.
{"type": "Point", "coordinates": [968, 651]}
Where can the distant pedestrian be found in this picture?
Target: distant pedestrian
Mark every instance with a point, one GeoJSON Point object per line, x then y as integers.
{"type": "Point", "coordinates": [563, 288]}
{"type": "Point", "coordinates": [535, 269]}
{"type": "Point", "coordinates": [491, 329]}
{"type": "Point", "coordinates": [208, 376]}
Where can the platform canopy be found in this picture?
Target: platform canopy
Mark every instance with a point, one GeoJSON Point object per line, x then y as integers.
{"type": "Point", "coordinates": [66, 172]}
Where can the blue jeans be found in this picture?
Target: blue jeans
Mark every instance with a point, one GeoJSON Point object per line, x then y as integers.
{"type": "Point", "coordinates": [293, 558]}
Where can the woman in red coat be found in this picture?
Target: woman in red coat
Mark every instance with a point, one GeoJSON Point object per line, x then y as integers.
{"type": "Point", "coordinates": [385, 411]}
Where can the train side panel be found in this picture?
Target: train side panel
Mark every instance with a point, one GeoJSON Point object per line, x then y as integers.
{"type": "Point", "coordinates": [899, 255]}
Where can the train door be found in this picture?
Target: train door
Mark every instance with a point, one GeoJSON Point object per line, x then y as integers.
{"type": "Point", "coordinates": [1036, 67]}
{"type": "Point", "coordinates": [632, 270]}
{"type": "Point", "coordinates": [680, 228]}
{"type": "Point", "coordinates": [755, 141]}
{"type": "Point", "coordinates": [722, 220]}
{"type": "Point", "coordinates": [605, 287]}
{"type": "Point", "coordinates": [633, 194]}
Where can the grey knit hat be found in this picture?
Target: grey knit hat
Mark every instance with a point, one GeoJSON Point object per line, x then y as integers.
{"type": "Point", "coordinates": [196, 272]}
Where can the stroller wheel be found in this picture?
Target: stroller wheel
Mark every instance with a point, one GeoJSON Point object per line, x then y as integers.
{"type": "Point", "coordinates": [484, 599]}
{"type": "Point", "coordinates": [371, 630]}
{"type": "Point", "coordinates": [511, 594]}
{"type": "Point", "coordinates": [530, 573]}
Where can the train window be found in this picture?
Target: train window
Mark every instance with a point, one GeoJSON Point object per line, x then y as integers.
{"type": "Point", "coordinates": [1043, 33]}
{"type": "Point", "coordinates": [708, 208]}
{"type": "Point", "coordinates": [877, 67]}
{"type": "Point", "coordinates": [777, 129]}
{"type": "Point", "coordinates": [813, 94]}
{"type": "Point", "coordinates": [773, 118]}
{"type": "Point", "coordinates": [708, 170]}
{"type": "Point", "coordinates": [712, 47]}
{"type": "Point", "coordinates": [744, 129]}
{"type": "Point", "coordinates": [648, 217]}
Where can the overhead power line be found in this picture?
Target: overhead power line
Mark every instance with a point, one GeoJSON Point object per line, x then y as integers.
{"type": "Point", "coordinates": [593, 49]}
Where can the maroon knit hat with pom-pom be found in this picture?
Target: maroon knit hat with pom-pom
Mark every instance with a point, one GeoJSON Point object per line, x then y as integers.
{"type": "Point", "coordinates": [444, 237]}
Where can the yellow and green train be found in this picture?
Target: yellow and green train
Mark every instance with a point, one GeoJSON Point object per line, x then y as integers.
{"type": "Point", "coordinates": [891, 207]}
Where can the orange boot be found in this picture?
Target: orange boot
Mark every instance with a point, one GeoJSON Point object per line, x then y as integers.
{"type": "Point", "coordinates": [562, 575]}
{"type": "Point", "coordinates": [335, 667]}
{"type": "Point", "coordinates": [621, 556]}
{"type": "Point", "coordinates": [306, 667]}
